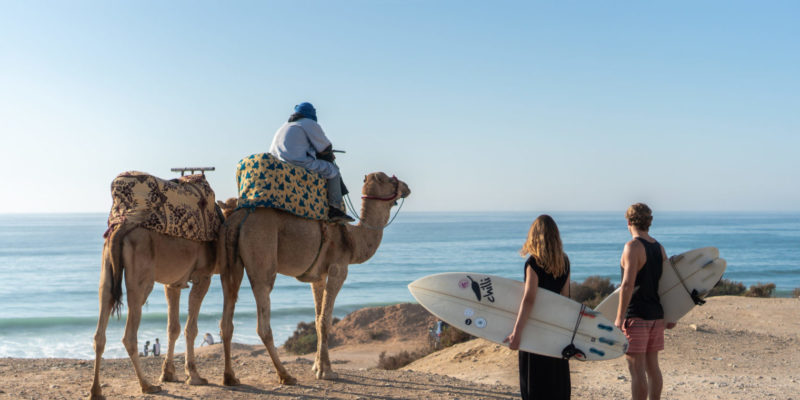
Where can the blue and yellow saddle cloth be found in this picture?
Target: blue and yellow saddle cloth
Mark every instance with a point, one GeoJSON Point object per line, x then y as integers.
{"type": "Point", "coordinates": [265, 181]}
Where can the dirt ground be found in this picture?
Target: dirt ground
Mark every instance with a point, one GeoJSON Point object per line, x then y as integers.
{"type": "Point", "coordinates": [730, 348]}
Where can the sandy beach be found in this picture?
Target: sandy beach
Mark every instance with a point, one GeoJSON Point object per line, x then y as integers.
{"type": "Point", "coordinates": [730, 348]}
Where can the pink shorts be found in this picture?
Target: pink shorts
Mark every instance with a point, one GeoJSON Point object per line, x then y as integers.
{"type": "Point", "coordinates": [644, 336]}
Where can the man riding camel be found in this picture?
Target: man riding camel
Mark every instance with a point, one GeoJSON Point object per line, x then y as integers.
{"type": "Point", "coordinates": [301, 141]}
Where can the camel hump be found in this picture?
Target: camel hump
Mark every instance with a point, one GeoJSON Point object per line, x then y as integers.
{"type": "Point", "coordinates": [184, 207]}
{"type": "Point", "coordinates": [265, 181]}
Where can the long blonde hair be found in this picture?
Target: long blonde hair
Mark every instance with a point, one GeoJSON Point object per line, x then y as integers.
{"type": "Point", "coordinates": [544, 244]}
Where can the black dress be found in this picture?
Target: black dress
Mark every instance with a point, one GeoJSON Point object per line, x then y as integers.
{"type": "Point", "coordinates": [543, 377]}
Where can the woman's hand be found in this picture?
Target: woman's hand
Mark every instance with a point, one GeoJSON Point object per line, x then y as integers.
{"type": "Point", "coordinates": [618, 322]}
{"type": "Point", "coordinates": [513, 341]}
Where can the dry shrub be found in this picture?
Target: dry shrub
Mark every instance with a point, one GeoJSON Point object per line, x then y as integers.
{"type": "Point", "coordinates": [761, 290]}
{"type": "Point", "coordinates": [796, 292]}
{"type": "Point", "coordinates": [452, 336]}
{"type": "Point", "coordinates": [592, 291]}
{"type": "Point", "coordinates": [727, 288]}
{"type": "Point", "coordinates": [402, 358]}
{"type": "Point", "coordinates": [304, 338]}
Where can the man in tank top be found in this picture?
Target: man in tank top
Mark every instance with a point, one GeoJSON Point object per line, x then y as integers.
{"type": "Point", "coordinates": [640, 315]}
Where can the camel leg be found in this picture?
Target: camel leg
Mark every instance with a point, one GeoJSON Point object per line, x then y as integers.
{"type": "Point", "coordinates": [261, 291]}
{"type": "Point", "coordinates": [230, 290]}
{"type": "Point", "coordinates": [173, 296]}
{"type": "Point", "coordinates": [196, 295]}
{"type": "Point", "coordinates": [318, 290]}
{"type": "Point", "coordinates": [135, 301]}
{"type": "Point", "coordinates": [96, 392]}
{"type": "Point", "coordinates": [336, 277]}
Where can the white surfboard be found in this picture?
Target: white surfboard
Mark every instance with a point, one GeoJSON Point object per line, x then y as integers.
{"type": "Point", "coordinates": [486, 306]}
{"type": "Point", "coordinates": [695, 271]}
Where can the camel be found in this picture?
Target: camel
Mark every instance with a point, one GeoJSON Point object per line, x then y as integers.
{"type": "Point", "coordinates": [146, 257]}
{"type": "Point", "coordinates": [265, 242]}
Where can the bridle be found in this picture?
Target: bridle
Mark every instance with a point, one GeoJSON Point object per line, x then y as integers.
{"type": "Point", "coordinates": [393, 197]}
{"type": "Point", "coordinates": [388, 198]}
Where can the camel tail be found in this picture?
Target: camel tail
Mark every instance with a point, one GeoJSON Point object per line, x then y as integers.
{"type": "Point", "coordinates": [117, 266]}
{"type": "Point", "coordinates": [228, 250]}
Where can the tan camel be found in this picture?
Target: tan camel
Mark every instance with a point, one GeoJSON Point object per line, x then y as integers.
{"type": "Point", "coordinates": [265, 242]}
{"type": "Point", "coordinates": [147, 257]}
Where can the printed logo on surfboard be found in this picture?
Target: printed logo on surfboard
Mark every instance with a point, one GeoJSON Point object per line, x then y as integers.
{"type": "Point", "coordinates": [483, 288]}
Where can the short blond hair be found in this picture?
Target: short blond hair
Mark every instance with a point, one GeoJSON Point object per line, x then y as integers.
{"type": "Point", "coordinates": [640, 216]}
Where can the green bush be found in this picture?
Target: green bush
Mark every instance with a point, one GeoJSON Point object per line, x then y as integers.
{"type": "Point", "coordinates": [592, 291]}
{"type": "Point", "coordinates": [304, 338]}
{"type": "Point", "coordinates": [761, 290]}
{"type": "Point", "coordinates": [727, 288]}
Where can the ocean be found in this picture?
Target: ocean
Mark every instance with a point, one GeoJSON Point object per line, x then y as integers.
{"type": "Point", "coordinates": [50, 264]}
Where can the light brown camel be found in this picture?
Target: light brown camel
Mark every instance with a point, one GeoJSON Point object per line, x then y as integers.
{"type": "Point", "coordinates": [266, 242]}
{"type": "Point", "coordinates": [147, 257]}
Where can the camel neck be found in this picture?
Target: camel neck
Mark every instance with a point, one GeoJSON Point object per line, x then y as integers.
{"type": "Point", "coordinates": [367, 235]}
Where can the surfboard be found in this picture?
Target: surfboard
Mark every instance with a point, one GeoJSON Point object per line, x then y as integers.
{"type": "Point", "coordinates": [695, 271]}
{"type": "Point", "coordinates": [486, 306]}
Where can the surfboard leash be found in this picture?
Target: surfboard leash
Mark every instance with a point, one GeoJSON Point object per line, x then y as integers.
{"type": "Point", "coordinates": [572, 351]}
{"type": "Point", "coordinates": [694, 294]}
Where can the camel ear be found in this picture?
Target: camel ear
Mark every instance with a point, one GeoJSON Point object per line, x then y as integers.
{"type": "Point", "coordinates": [365, 179]}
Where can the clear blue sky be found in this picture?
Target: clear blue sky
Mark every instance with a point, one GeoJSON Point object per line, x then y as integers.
{"type": "Point", "coordinates": [477, 105]}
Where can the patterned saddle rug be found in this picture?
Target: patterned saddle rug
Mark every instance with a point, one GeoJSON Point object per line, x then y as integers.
{"type": "Point", "coordinates": [184, 207]}
{"type": "Point", "coordinates": [265, 181]}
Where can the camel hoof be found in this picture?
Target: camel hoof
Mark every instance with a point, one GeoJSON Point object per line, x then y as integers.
{"type": "Point", "coordinates": [168, 377]}
{"type": "Point", "coordinates": [288, 380]}
{"type": "Point", "coordinates": [151, 389]}
{"type": "Point", "coordinates": [327, 375]}
{"type": "Point", "coordinates": [196, 381]}
{"type": "Point", "coordinates": [230, 380]}
{"type": "Point", "coordinates": [93, 396]}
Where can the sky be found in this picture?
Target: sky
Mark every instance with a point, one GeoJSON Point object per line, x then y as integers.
{"type": "Point", "coordinates": [476, 105]}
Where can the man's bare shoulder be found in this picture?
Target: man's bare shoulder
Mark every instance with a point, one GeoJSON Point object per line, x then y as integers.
{"type": "Point", "coordinates": [633, 244]}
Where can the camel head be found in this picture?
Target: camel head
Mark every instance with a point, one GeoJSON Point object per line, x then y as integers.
{"type": "Point", "coordinates": [379, 186]}
{"type": "Point", "coordinates": [227, 207]}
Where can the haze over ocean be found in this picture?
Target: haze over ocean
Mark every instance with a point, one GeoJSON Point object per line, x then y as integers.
{"type": "Point", "coordinates": [50, 264]}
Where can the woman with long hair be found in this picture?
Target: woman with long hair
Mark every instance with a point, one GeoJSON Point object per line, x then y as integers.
{"type": "Point", "coordinates": [547, 267]}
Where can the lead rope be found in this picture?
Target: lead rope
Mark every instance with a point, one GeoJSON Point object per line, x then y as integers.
{"type": "Point", "coordinates": [352, 209]}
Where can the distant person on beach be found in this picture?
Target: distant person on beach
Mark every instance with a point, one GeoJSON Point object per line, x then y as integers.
{"type": "Point", "coordinates": [301, 141]}
{"type": "Point", "coordinates": [156, 348]}
{"type": "Point", "coordinates": [547, 267]}
{"type": "Point", "coordinates": [146, 348]}
{"type": "Point", "coordinates": [640, 315]}
{"type": "Point", "coordinates": [207, 340]}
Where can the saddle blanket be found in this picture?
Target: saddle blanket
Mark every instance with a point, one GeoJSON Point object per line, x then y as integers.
{"type": "Point", "coordinates": [184, 207]}
{"type": "Point", "coordinates": [265, 181]}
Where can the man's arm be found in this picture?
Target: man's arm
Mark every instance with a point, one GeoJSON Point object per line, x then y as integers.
{"type": "Point", "coordinates": [315, 135]}
{"type": "Point", "coordinates": [631, 264]}
{"type": "Point", "coordinates": [327, 154]}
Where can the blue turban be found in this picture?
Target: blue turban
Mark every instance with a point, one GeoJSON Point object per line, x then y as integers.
{"type": "Point", "coordinates": [307, 110]}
